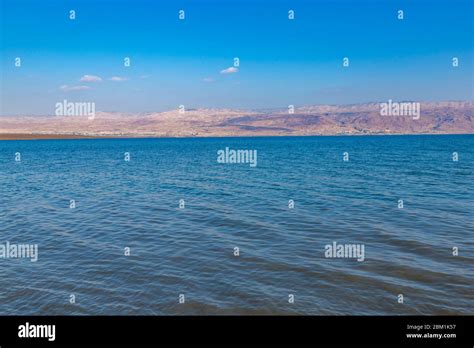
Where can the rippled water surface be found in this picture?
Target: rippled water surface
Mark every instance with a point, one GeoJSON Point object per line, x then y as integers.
{"type": "Point", "coordinates": [190, 251]}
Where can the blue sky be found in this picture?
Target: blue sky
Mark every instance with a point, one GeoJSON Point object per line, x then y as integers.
{"type": "Point", "coordinates": [282, 61]}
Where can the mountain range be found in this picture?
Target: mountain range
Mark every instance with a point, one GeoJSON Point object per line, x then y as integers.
{"type": "Point", "coordinates": [450, 117]}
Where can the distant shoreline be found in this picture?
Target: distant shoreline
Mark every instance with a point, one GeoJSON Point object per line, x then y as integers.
{"type": "Point", "coordinates": [13, 136]}
{"type": "Point", "coordinates": [19, 136]}
{"type": "Point", "coordinates": [315, 120]}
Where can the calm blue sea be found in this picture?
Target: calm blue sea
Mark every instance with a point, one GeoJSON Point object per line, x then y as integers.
{"type": "Point", "coordinates": [281, 251]}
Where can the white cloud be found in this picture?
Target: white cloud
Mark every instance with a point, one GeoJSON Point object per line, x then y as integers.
{"type": "Point", "coordinates": [118, 79]}
{"type": "Point", "coordinates": [208, 79]}
{"type": "Point", "coordinates": [66, 88]}
{"type": "Point", "coordinates": [231, 70]}
{"type": "Point", "coordinates": [145, 76]}
{"type": "Point", "coordinates": [90, 78]}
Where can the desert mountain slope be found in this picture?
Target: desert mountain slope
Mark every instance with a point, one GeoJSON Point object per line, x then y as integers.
{"type": "Point", "coordinates": [434, 118]}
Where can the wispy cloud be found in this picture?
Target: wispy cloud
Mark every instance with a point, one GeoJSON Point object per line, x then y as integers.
{"type": "Point", "coordinates": [208, 79]}
{"type": "Point", "coordinates": [90, 78]}
{"type": "Point", "coordinates": [118, 78]}
{"type": "Point", "coordinates": [145, 76]}
{"type": "Point", "coordinates": [66, 88]}
{"type": "Point", "coordinates": [231, 70]}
